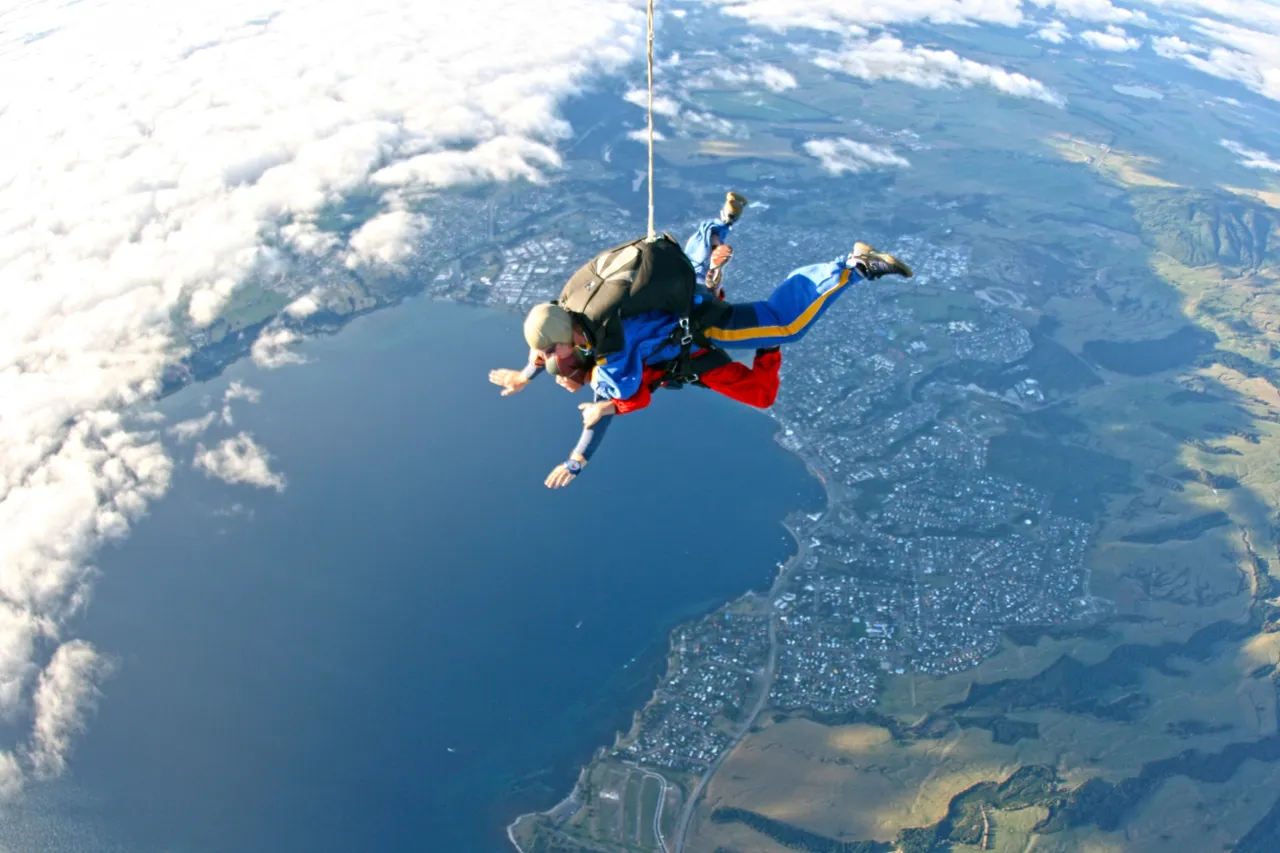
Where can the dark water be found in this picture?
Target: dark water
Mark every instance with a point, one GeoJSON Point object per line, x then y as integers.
{"type": "Point", "coordinates": [293, 680]}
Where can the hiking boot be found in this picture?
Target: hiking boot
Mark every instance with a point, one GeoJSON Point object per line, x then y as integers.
{"type": "Point", "coordinates": [871, 264]}
{"type": "Point", "coordinates": [734, 204]}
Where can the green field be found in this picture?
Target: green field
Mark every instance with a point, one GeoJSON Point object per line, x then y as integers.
{"type": "Point", "coordinates": [648, 810]}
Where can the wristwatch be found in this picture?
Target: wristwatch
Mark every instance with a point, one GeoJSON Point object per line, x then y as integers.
{"type": "Point", "coordinates": [573, 466]}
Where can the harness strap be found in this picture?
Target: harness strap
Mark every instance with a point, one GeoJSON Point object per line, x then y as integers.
{"type": "Point", "coordinates": [688, 372]}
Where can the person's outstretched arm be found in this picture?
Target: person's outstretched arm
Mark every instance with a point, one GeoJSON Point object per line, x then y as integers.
{"type": "Point", "coordinates": [566, 472]}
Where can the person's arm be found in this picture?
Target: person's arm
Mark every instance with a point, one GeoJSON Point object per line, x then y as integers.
{"type": "Point", "coordinates": [756, 385]}
{"type": "Point", "coordinates": [697, 249]}
{"type": "Point", "coordinates": [588, 442]}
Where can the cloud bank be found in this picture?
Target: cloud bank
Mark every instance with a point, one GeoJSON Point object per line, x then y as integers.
{"type": "Point", "coordinates": [887, 58]}
{"type": "Point", "coordinates": [154, 154]}
{"type": "Point", "coordinates": [857, 16]}
{"type": "Point", "coordinates": [1240, 39]}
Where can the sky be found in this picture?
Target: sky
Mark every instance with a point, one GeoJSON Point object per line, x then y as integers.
{"type": "Point", "coordinates": [159, 153]}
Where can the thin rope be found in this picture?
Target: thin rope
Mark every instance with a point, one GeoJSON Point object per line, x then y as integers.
{"type": "Point", "coordinates": [653, 235]}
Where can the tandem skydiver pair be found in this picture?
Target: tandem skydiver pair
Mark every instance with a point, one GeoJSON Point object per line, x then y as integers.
{"type": "Point", "coordinates": [649, 314]}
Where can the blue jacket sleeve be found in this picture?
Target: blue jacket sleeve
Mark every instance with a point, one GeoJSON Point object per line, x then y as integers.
{"type": "Point", "coordinates": [698, 248]}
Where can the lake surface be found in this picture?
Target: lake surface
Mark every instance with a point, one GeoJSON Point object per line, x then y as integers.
{"type": "Point", "coordinates": [416, 640]}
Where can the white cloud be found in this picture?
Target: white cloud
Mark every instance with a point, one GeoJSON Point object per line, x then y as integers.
{"type": "Point", "coordinates": [18, 633]}
{"type": "Point", "coordinates": [855, 16]}
{"type": "Point", "coordinates": [151, 153]}
{"type": "Point", "coordinates": [1055, 32]}
{"type": "Point", "coordinates": [505, 158]}
{"type": "Point", "coordinates": [1249, 56]}
{"type": "Point", "coordinates": [1251, 158]}
{"type": "Point", "coordinates": [1246, 54]}
{"type": "Point", "coordinates": [662, 104]}
{"type": "Point", "coordinates": [237, 390]}
{"type": "Point", "coordinates": [775, 79]}
{"type": "Point", "coordinates": [1102, 11]}
{"type": "Point", "coordinates": [1172, 47]}
{"type": "Point", "coordinates": [304, 236]}
{"type": "Point", "coordinates": [67, 692]}
{"type": "Point", "coordinates": [387, 239]}
{"type": "Point", "coordinates": [271, 348]}
{"type": "Point", "coordinates": [642, 135]}
{"type": "Point", "coordinates": [710, 122]}
{"type": "Point", "coordinates": [239, 460]}
{"type": "Point", "coordinates": [303, 306]}
{"type": "Point", "coordinates": [186, 430]}
{"type": "Point", "coordinates": [1257, 13]}
{"type": "Point", "coordinates": [11, 777]}
{"type": "Point", "coordinates": [887, 59]}
{"type": "Point", "coordinates": [844, 155]}
{"type": "Point", "coordinates": [1114, 39]}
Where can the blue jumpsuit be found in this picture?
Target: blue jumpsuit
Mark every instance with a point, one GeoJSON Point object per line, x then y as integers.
{"type": "Point", "coordinates": [784, 317]}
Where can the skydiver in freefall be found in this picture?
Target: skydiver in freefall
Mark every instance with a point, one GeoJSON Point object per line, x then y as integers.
{"type": "Point", "coordinates": [647, 354]}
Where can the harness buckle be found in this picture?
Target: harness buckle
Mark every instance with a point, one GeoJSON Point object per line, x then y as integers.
{"type": "Point", "coordinates": [687, 337]}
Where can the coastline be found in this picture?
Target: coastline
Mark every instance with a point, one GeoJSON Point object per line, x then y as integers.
{"type": "Point", "coordinates": [572, 798]}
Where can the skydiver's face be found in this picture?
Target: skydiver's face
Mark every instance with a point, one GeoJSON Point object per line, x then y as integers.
{"type": "Point", "coordinates": [551, 353]}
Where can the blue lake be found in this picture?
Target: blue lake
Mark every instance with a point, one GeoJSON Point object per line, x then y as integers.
{"type": "Point", "coordinates": [294, 668]}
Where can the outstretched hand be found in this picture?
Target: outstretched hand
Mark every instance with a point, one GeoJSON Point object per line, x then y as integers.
{"type": "Point", "coordinates": [511, 381]}
{"type": "Point", "coordinates": [593, 412]}
{"type": "Point", "coordinates": [560, 477]}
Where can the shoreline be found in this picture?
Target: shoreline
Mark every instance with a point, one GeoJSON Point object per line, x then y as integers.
{"type": "Point", "coordinates": [783, 571]}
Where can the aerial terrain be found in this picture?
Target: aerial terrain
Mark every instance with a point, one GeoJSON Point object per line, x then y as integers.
{"type": "Point", "coordinates": [1040, 608]}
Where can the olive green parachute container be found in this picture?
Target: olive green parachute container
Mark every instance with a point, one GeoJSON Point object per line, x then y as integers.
{"type": "Point", "coordinates": [627, 280]}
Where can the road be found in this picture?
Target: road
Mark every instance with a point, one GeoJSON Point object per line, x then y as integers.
{"type": "Point", "coordinates": [686, 813]}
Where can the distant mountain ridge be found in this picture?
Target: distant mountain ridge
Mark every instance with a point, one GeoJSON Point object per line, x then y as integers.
{"type": "Point", "coordinates": [1199, 228]}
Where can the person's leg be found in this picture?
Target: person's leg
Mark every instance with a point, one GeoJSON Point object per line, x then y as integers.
{"type": "Point", "coordinates": [797, 303]}
{"type": "Point", "coordinates": [756, 385]}
{"type": "Point", "coordinates": [789, 311]}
